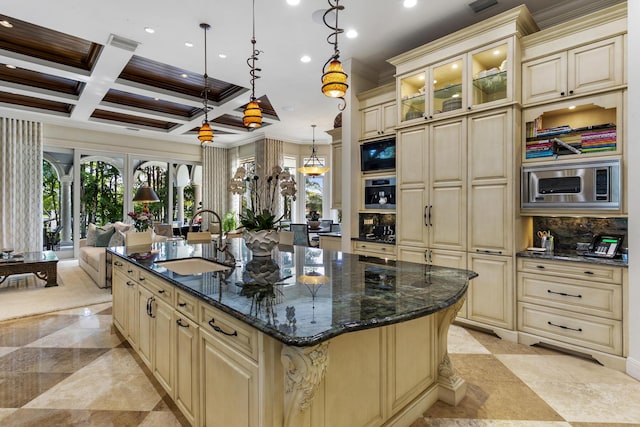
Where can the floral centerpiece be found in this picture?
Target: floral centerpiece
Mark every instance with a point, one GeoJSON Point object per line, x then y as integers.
{"type": "Point", "coordinates": [141, 221]}
{"type": "Point", "coordinates": [260, 218]}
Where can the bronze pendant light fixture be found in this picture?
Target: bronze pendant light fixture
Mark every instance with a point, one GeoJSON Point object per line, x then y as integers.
{"type": "Point", "coordinates": [313, 166]}
{"type": "Point", "coordinates": [205, 133]}
{"type": "Point", "coordinates": [334, 79]}
{"type": "Point", "coordinates": [252, 118]}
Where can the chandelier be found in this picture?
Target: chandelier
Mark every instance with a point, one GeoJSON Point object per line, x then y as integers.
{"type": "Point", "coordinates": [313, 166]}
{"type": "Point", "coordinates": [334, 79]}
{"type": "Point", "coordinates": [205, 133]}
{"type": "Point", "coordinates": [252, 118]}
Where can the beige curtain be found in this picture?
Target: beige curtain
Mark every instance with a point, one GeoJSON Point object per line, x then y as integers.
{"type": "Point", "coordinates": [270, 153]}
{"type": "Point", "coordinates": [215, 177]}
{"type": "Point", "coordinates": [21, 224]}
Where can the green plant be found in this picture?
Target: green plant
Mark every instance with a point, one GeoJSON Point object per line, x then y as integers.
{"type": "Point", "coordinates": [229, 222]}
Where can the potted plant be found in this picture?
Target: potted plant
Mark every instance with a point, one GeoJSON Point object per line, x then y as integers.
{"type": "Point", "coordinates": [260, 219]}
{"type": "Point", "coordinates": [313, 219]}
{"type": "Point", "coordinates": [229, 223]}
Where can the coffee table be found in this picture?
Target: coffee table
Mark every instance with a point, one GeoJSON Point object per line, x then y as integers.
{"type": "Point", "coordinates": [43, 264]}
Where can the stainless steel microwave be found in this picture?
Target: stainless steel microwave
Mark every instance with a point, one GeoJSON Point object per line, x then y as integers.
{"type": "Point", "coordinates": [581, 185]}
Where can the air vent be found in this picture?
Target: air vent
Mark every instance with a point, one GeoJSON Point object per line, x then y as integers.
{"type": "Point", "coordinates": [480, 5]}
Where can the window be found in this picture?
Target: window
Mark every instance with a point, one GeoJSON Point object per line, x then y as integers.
{"type": "Point", "coordinates": [313, 191]}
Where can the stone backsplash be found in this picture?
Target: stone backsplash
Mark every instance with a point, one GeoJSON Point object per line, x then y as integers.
{"type": "Point", "coordinates": [568, 232]}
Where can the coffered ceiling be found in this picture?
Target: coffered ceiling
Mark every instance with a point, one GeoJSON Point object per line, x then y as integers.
{"type": "Point", "coordinates": [91, 64]}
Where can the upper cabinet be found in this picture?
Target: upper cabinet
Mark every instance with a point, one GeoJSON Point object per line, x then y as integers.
{"type": "Point", "coordinates": [378, 112]}
{"type": "Point", "coordinates": [580, 57]}
{"type": "Point", "coordinates": [477, 74]}
{"type": "Point", "coordinates": [593, 67]}
{"type": "Point", "coordinates": [478, 78]}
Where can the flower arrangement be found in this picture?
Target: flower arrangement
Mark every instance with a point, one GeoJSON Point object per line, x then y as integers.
{"type": "Point", "coordinates": [261, 213]}
{"type": "Point", "coordinates": [141, 221]}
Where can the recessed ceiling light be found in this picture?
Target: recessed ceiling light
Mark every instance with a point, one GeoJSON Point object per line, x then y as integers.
{"type": "Point", "coordinates": [351, 34]}
{"type": "Point", "coordinates": [305, 58]}
{"type": "Point", "coordinates": [421, 77]}
{"type": "Point", "coordinates": [6, 24]}
{"type": "Point", "coordinates": [13, 67]}
{"type": "Point", "coordinates": [183, 75]}
{"type": "Point", "coordinates": [409, 3]}
{"type": "Point", "coordinates": [496, 52]}
{"type": "Point", "coordinates": [293, 2]}
{"type": "Point", "coordinates": [572, 107]}
{"type": "Point", "coordinates": [188, 44]}
{"type": "Point", "coordinates": [156, 99]}
{"type": "Point", "coordinates": [149, 30]}
{"type": "Point", "coordinates": [222, 55]}
{"type": "Point", "coordinates": [454, 65]}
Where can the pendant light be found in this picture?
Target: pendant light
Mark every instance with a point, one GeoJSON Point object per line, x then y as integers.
{"type": "Point", "coordinates": [252, 118]}
{"type": "Point", "coordinates": [334, 79]}
{"type": "Point", "coordinates": [313, 166]}
{"type": "Point", "coordinates": [205, 133]}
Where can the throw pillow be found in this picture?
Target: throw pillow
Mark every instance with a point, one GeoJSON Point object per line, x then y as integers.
{"type": "Point", "coordinates": [122, 227]}
{"type": "Point", "coordinates": [103, 236]}
{"type": "Point", "coordinates": [117, 239]}
{"type": "Point", "coordinates": [92, 233]}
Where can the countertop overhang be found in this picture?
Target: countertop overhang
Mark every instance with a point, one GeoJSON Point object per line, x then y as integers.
{"type": "Point", "coordinates": [304, 296]}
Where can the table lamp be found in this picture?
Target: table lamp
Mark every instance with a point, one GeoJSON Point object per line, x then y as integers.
{"type": "Point", "coordinates": [146, 195]}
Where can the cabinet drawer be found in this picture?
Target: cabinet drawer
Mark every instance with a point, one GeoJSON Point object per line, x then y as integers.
{"type": "Point", "coordinates": [598, 299]}
{"type": "Point", "coordinates": [187, 305]}
{"type": "Point", "coordinates": [160, 289]}
{"type": "Point", "coordinates": [378, 249]}
{"type": "Point", "coordinates": [576, 270]}
{"type": "Point", "coordinates": [232, 332]}
{"type": "Point", "coordinates": [126, 268]}
{"type": "Point", "coordinates": [573, 328]}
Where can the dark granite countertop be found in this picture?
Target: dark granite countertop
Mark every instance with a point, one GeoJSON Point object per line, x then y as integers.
{"type": "Point", "coordinates": [574, 256]}
{"type": "Point", "coordinates": [308, 295]}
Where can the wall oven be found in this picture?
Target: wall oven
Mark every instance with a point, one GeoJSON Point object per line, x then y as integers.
{"type": "Point", "coordinates": [380, 193]}
{"type": "Point", "coordinates": [580, 185]}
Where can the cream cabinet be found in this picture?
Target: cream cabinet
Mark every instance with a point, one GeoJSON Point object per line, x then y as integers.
{"type": "Point", "coordinates": [378, 112]}
{"type": "Point", "coordinates": [378, 120]}
{"type": "Point", "coordinates": [589, 68]}
{"type": "Point", "coordinates": [492, 187]}
{"type": "Point", "coordinates": [491, 299]}
{"type": "Point", "coordinates": [431, 187]}
{"type": "Point", "coordinates": [229, 374]}
{"type": "Point", "coordinates": [125, 305]}
{"type": "Point", "coordinates": [187, 382]}
{"type": "Point", "coordinates": [380, 250]}
{"type": "Point", "coordinates": [572, 305]}
{"type": "Point", "coordinates": [481, 76]}
{"type": "Point", "coordinates": [336, 168]}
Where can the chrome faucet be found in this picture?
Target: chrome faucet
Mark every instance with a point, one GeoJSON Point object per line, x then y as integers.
{"type": "Point", "coordinates": [219, 247]}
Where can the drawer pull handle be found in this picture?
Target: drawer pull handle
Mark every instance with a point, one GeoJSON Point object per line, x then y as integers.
{"type": "Point", "coordinates": [182, 325]}
{"type": "Point", "coordinates": [161, 291]}
{"type": "Point", "coordinates": [565, 327]}
{"type": "Point", "coordinates": [487, 251]}
{"type": "Point", "coordinates": [541, 267]}
{"type": "Point", "coordinates": [563, 294]}
{"type": "Point", "coordinates": [141, 278]}
{"type": "Point", "coordinates": [130, 283]}
{"type": "Point", "coordinates": [218, 329]}
{"type": "Point", "coordinates": [129, 271]}
{"type": "Point", "coordinates": [118, 263]}
{"type": "Point", "coordinates": [589, 272]}
{"type": "Point", "coordinates": [182, 304]}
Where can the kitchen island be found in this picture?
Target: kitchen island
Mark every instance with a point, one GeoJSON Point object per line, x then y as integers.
{"type": "Point", "coordinates": [308, 337]}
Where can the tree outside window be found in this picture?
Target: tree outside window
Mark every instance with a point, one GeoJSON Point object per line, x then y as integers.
{"type": "Point", "coordinates": [313, 188]}
{"type": "Point", "coordinates": [101, 194]}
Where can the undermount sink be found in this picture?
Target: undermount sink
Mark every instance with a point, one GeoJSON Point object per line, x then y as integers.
{"type": "Point", "coordinates": [190, 266]}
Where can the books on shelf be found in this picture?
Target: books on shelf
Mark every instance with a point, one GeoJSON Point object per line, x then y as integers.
{"type": "Point", "coordinates": [576, 143]}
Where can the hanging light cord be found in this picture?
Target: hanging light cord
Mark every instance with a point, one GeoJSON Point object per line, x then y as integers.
{"type": "Point", "coordinates": [251, 61]}
{"type": "Point", "coordinates": [332, 39]}
{"type": "Point", "coordinates": [205, 27]}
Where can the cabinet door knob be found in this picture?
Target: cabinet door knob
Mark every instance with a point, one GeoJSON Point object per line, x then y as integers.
{"type": "Point", "coordinates": [182, 304]}
{"type": "Point", "coordinates": [562, 93]}
{"type": "Point", "coordinates": [118, 263]}
{"type": "Point", "coordinates": [182, 325]}
{"type": "Point", "coordinates": [570, 92]}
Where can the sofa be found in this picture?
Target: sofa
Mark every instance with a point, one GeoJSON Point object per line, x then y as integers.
{"type": "Point", "coordinates": [92, 255]}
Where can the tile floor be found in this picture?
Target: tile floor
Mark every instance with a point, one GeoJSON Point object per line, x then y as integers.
{"type": "Point", "coordinates": [71, 368]}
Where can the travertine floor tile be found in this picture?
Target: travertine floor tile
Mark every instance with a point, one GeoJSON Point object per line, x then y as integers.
{"type": "Point", "coordinates": [461, 341]}
{"type": "Point", "coordinates": [164, 419]}
{"type": "Point", "coordinates": [114, 382]}
{"type": "Point", "coordinates": [94, 332]}
{"type": "Point", "coordinates": [4, 413]}
{"type": "Point", "coordinates": [7, 350]}
{"type": "Point", "coordinates": [499, 346]}
{"type": "Point", "coordinates": [67, 417]}
{"type": "Point", "coordinates": [466, 422]}
{"type": "Point", "coordinates": [17, 389]}
{"type": "Point", "coordinates": [48, 360]}
{"type": "Point", "coordinates": [88, 310]}
{"type": "Point", "coordinates": [16, 333]}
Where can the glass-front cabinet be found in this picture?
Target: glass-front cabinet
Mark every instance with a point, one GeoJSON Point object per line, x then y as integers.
{"type": "Point", "coordinates": [482, 77]}
{"type": "Point", "coordinates": [491, 76]}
